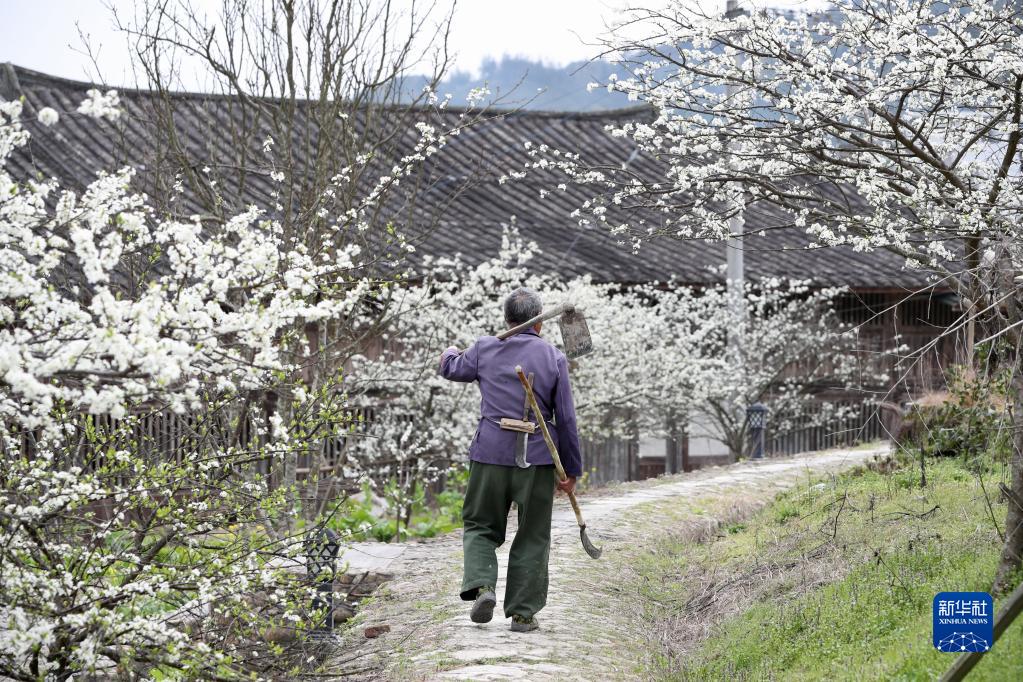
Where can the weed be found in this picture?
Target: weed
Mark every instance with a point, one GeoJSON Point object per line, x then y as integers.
{"type": "Point", "coordinates": [356, 518]}
{"type": "Point", "coordinates": [783, 511]}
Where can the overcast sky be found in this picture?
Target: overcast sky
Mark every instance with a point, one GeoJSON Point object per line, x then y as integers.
{"type": "Point", "coordinates": [44, 34]}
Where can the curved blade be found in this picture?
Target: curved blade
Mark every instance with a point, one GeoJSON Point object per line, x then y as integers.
{"type": "Point", "coordinates": [521, 442]}
{"type": "Point", "coordinates": [521, 447]}
{"type": "Point", "coordinates": [592, 550]}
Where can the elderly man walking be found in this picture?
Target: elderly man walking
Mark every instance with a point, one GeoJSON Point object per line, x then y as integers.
{"type": "Point", "coordinates": [495, 480]}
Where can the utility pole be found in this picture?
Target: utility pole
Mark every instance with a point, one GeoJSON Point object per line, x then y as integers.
{"type": "Point", "coordinates": [735, 270]}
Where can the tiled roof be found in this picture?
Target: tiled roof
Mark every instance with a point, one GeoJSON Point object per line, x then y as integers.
{"type": "Point", "coordinates": [471, 221]}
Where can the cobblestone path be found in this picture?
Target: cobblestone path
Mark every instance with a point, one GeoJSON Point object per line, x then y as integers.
{"type": "Point", "coordinates": [585, 634]}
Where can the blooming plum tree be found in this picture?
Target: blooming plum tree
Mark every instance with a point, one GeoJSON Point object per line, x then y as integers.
{"type": "Point", "coordinates": [314, 96]}
{"type": "Point", "coordinates": [139, 531]}
{"type": "Point", "coordinates": [661, 353]}
{"type": "Point", "coordinates": [879, 125]}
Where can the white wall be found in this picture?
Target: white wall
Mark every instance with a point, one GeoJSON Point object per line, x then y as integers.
{"type": "Point", "coordinates": [652, 447]}
{"type": "Point", "coordinates": [705, 439]}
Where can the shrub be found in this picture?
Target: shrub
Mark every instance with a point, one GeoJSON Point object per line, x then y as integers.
{"type": "Point", "coordinates": [968, 419]}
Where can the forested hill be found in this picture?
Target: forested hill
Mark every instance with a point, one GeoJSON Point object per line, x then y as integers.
{"type": "Point", "coordinates": [520, 82]}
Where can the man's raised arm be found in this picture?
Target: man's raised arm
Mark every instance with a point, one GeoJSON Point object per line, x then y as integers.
{"type": "Point", "coordinates": [458, 366]}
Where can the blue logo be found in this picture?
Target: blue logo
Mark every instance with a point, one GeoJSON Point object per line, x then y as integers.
{"type": "Point", "coordinates": [963, 621]}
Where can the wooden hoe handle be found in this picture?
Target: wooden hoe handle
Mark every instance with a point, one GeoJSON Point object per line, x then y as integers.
{"type": "Point", "coordinates": [550, 443]}
{"type": "Point", "coordinates": [542, 317]}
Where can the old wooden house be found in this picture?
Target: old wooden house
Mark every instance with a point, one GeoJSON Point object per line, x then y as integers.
{"type": "Point", "coordinates": [464, 202]}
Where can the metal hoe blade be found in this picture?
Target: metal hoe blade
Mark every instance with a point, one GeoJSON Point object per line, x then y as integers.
{"type": "Point", "coordinates": [574, 333]}
{"type": "Point", "coordinates": [588, 546]}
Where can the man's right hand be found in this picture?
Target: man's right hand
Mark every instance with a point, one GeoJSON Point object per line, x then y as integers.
{"type": "Point", "coordinates": [567, 486]}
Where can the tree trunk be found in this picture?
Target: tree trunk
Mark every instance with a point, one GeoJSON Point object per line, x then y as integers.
{"type": "Point", "coordinates": [289, 473]}
{"type": "Point", "coordinates": [683, 445]}
{"type": "Point", "coordinates": [735, 439]}
{"type": "Point", "coordinates": [671, 446]}
{"type": "Point", "coordinates": [313, 372]}
{"type": "Point", "coordinates": [1012, 550]}
{"type": "Point", "coordinates": [633, 448]}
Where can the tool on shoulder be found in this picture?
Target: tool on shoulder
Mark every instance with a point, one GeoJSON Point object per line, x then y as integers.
{"type": "Point", "coordinates": [574, 332]}
{"type": "Point", "coordinates": [521, 442]}
{"type": "Point", "coordinates": [593, 551]}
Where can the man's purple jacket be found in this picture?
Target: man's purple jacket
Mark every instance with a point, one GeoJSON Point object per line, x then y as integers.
{"type": "Point", "coordinates": [492, 362]}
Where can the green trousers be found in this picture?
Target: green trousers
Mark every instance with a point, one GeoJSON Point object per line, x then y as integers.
{"type": "Point", "coordinates": [492, 489]}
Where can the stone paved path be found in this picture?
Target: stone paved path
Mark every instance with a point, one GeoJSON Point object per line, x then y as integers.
{"type": "Point", "coordinates": [583, 636]}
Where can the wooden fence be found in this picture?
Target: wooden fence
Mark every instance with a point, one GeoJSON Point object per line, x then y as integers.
{"type": "Point", "coordinates": [608, 460]}
{"type": "Point", "coordinates": [617, 459]}
{"type": "Point", "coordinates": [164, 434]}
{"type": "Point", "coordinates": [863, 423]}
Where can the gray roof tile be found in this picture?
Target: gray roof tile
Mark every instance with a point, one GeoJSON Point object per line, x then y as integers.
{"type": "Point", "coordinates": [470, 223]}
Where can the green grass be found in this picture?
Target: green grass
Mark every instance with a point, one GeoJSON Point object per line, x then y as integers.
{"type": "Point", "coordinates": [858, 608]}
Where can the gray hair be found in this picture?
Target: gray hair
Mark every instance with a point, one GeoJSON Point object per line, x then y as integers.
{"type": "Point", "coordinates": [522, 305]}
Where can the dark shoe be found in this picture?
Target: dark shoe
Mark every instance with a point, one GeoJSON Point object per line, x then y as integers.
{"type": "Point", "coordinates": [483, 608]}
{"type": "Point", "coordinates": [521, 624]}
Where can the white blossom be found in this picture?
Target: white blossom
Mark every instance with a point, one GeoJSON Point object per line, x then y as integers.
{"type": "Point", "coordinates": [48, 116]}
{"type": "Point", "coordinates": [136, 353]}
{"type": "Point", "coordinates": [101, 105]}
{"type": "Point", "coordinates": [661, 355]}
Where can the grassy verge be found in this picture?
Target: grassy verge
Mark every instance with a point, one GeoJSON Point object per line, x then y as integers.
{"type": "Point", "coordinates": [833, 580]}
